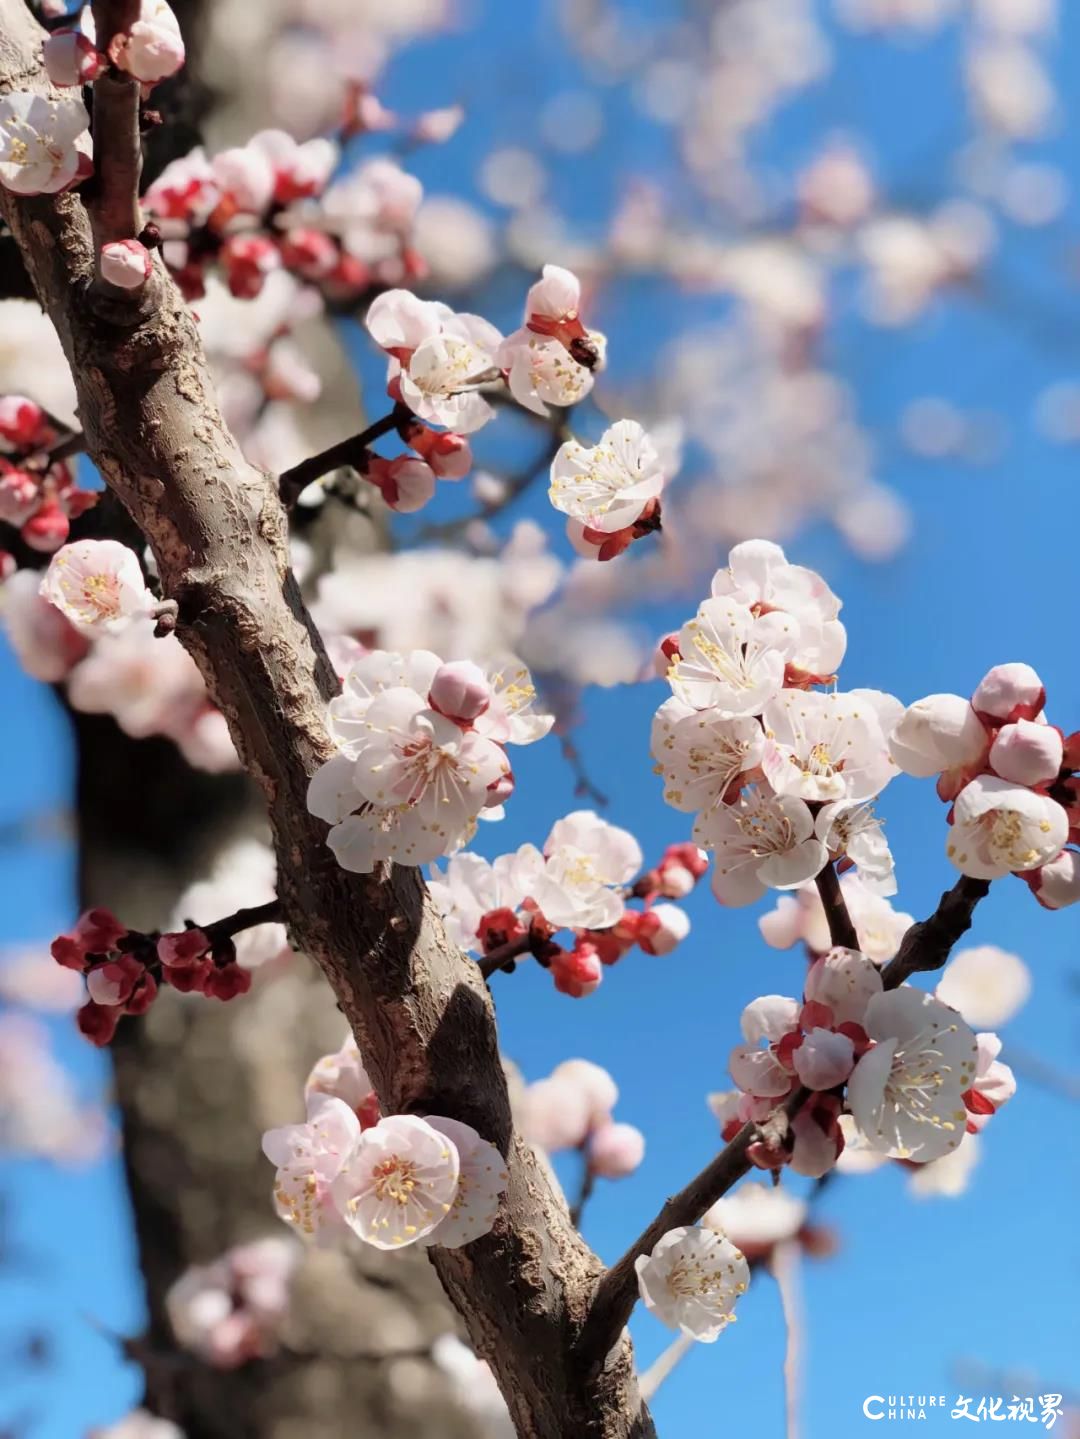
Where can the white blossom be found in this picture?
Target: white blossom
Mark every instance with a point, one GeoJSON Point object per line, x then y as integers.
{"type": "Point", "coordinates": [845, 981]}
{"type": "Point", "coordinates": [97, 585]}
{"type": "Point", "coordinates": [731, 661]}
{"type": "Point", "coordinates": [947, 1177]}
{"type": "Point", "coordinates": [906, 1091]}
{"type": "Point", "coordinates": [702, 753]}
{"type": "Point", "coordinates": [1000, 828]}
{"type": "Point", "coordinates": [400, 1180]}
{"type": "Point", "coordinates": [856, 831]}
{"type": "Point", "coordinates": [938, 733]}
{"type": "Point", "coordinates": [759, 576]}
{"type": "Point", "coordinates": [801, 917]}
{"type": "Point", "coordinates": [986, 984]}
{"type": "Point", "coordinates": [482, 1181]}
{"type": "Point", "coordinates": [607, 486]}
{"type": "Point", "coordinates": [43, 143]}
{"type": "Point", "coordinates": [761, 841]}
{"type": "Point", "coordinates": [309, 1157]}
{"type": "Point", "coordinates": [471, 887]}
{"type": "Point", "coordinates": [541, 372]}
{"type": "Point", "coordinates": [755, 1218]}
{"type": "Point", "coordinates": [691, 1281]}
{"type": "Point", "coordinates": [825, 747]}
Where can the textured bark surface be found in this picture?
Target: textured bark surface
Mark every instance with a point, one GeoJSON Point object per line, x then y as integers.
{"type": "Point", "coordinates": [196, 1083]}
{"type": "Point", "coordinates": [420, 1010]}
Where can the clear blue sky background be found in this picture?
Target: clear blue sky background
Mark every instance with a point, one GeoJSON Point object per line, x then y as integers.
{"type": "Point", "coordinates": [918, 1286]}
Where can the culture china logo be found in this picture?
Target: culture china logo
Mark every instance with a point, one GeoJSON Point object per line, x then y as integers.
{"type": "Point", "coordinates": [906, 1408]}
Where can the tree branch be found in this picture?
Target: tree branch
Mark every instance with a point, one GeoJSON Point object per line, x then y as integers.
{"type": "Point", "coordinates": [617, 1292]}
{"type": "Point", "coordinates": [419, 1009]}
{"type": "Point", "coordinates": [114, 193]}
{"type": "Point", "coordinates": [841, 929]}
{"type": "Point", "coordinates": [927, 944]}
{"type": "Point", "coordinates": [351, 452]}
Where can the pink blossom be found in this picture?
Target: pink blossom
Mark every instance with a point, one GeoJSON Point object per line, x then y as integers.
{"type": "Point", "coordinates": [71, 57]}
{"type": "Point", "coordinates": [153, 48]}
{"type": "Point", "coordinates": [126, 264]}
{"type": "Point", "coordinates": [98, 585]}
{"type": "Point", "coordinates": [615, 1150]}
{"type": "Point", "coordinates": [1009, 692]}
{"type": "Point", "coordinates": [459, 690]}
{"type": "Point", "coordinates": [662, 928]}
{"type": "Point", "coordinates": [1027, 753]}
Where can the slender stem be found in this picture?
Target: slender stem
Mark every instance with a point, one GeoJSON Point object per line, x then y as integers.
{"type": "Point", "coordinates": [928, 943]}
{"type": "Point", "coordinates": [588, 1184]}
{"type": "Point", "coordinates": [67, 448]}
{"type": "Point", "coordinates": [785, 1270]}
{"type": "Point", "coordinates": [841, 928]}
{"type": "Point", "coordinates": [617, 1292]}
{"type": "Point", "coordinates": [268, 913]}
{"type": "Point", "coordinates": [662, 1367]}
{"type": "Point", "coordinates": [351, 452]}
{"type": "Point", "coordinates": [513, 949]}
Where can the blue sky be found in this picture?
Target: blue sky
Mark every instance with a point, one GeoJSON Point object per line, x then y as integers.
{"type": "Point", "coordinates": [917, 1287]}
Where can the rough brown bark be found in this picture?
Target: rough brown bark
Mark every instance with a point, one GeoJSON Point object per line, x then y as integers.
{"type": "Point", "coordinates": [420, 1011]}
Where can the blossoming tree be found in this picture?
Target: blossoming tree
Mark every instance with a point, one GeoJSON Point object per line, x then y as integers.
{"type": "Point", "coordinates": [376, 765]}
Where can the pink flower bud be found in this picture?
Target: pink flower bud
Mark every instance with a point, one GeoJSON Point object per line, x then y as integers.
{"type": "Point", "coordinates": [460, 691]}
{"type": "Point", "coordinates": [152, 49]}
{"type": "Point", "coordinates": [70, 58]}
{"type": "Point", "coordinates": [1010, 692]}
{"type": "Point", "coordinates": [435, 127]}
{"type": "Point", "coordinates": [99, 930]}
{"type": "Point", "coordinates": [183, 949]}
{"type": "Point", "coordinates": [616, 1150]}
{"type": "Point", "coordinates": [188, 980]}
{"type": "Point", "coordinates": [406, 484]}
{"type": "Point", "coordinates": [311, 253]}
{"type": "Point", "coordinates": [663, 927]}
{"type": "Point", "coordinates": [1055, 885]}
{"type": "Point", "coordinates": [126, 264]}
{"type": "Point", "coordinates": [247, 260]}
{"type": "Point", "coordinates": [577, 972]}
{"type": "Point", "coordinates": [227, 981]}
{"type": "Point", "coordinates": [499, 790]}
{"type": "Point", "coordinates": [689, 856]}
{"type": "Point", "coordinates": [142, 995]}
{"type": "Point", "coordinates": [23, 423]}
{"type": "Point", "coordinates": [8, 565]}
{"type": "Point", "coordinates": [824, 1059]}
{"type": "Point", "coordinates": [113, 982]}
{"type": "Point", "coordinates": [98, 1022]}
{"type": "Point", "coordinates": [1026, 752]}
{"type": "Point", "coordinates": [47, 530]}
{"type": "Point", "coordinates": [667, 651]}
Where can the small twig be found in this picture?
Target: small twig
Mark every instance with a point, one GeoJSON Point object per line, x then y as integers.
{"type": "Point", "coordinates": [928, 943]}
{"type": "Point", "coordinates": [268, 913]}
{"type": "Point", "coordinates": [515, 485]}
{"type": "Point", "coordinates": [588, 1184]}
{"type": "Point", "coordinates": [503, 955]}
{"type": "Point", "coordinates": [1042, 1072]}
{"type": "Point", "coordinates": [661, 1368]}
{"type": "Point", "coordinates": [68, 447]}
{"type": "Point", "coordinates": [785, 1270]}
{"type": "Point", "coordinates": [583, 785]}
{"type": "Point", "coordinates": [617, 1292]}
{"type": "Point", "coordinates": [841, 928]}
{"type": "Point", "coordinates": [351, 452]}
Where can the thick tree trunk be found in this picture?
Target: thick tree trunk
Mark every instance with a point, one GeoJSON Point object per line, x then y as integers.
{"type": "Point", "coordinates": [419, 1009]}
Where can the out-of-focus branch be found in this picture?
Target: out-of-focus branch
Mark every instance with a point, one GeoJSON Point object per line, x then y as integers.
{"type": "Point", "coordinates": [785, 1270]}
{"type": "Point", "coordinates": [927, 945]}
{"type": "Point", "coordinates": [841, 929]}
